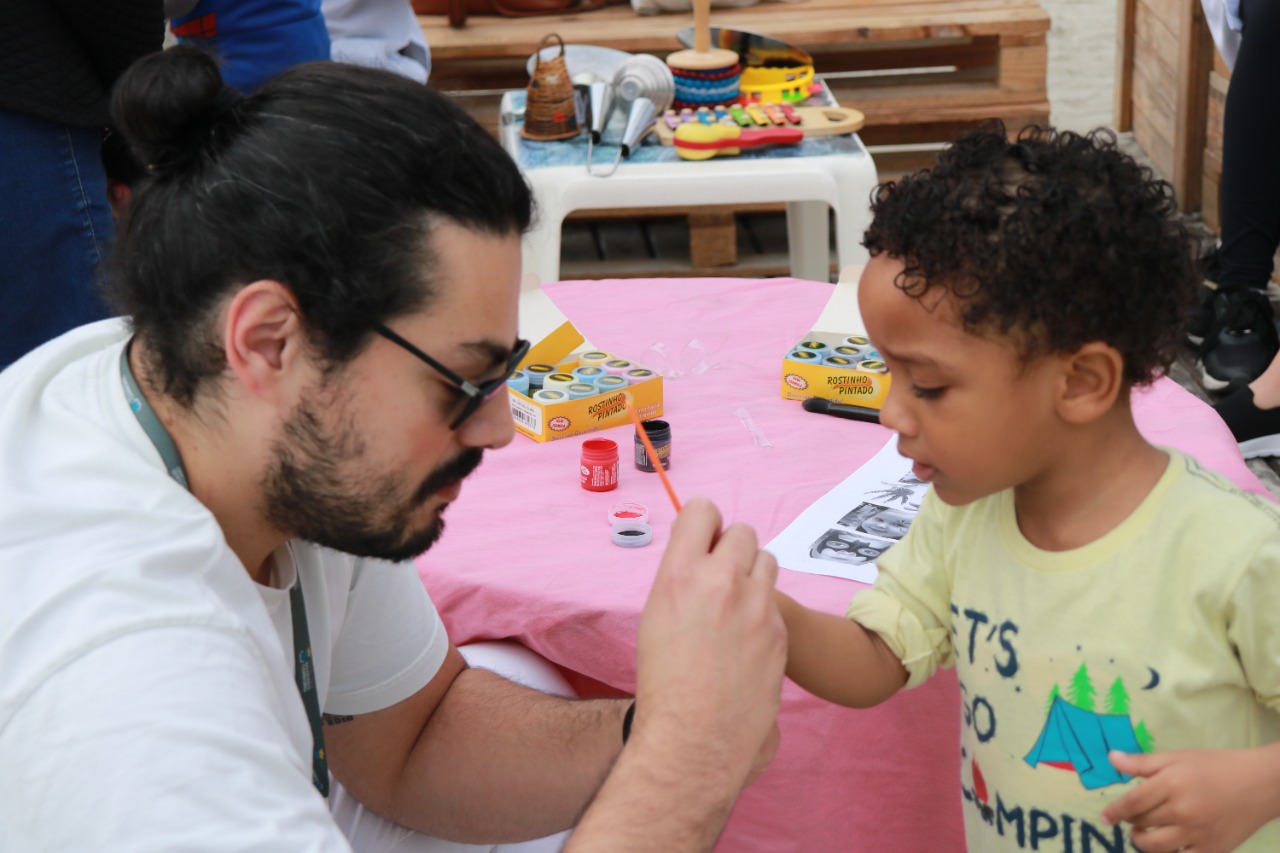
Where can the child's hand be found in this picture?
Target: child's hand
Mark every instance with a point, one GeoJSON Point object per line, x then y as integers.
{"type": "Point", "coordinates": [1209, 801]}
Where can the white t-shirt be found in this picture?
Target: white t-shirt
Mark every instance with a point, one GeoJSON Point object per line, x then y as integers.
{"type": "Point", "coordinates": [147, 694]}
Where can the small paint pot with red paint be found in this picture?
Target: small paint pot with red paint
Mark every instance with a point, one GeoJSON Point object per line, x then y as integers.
{"type": "Point", "coordinates": [629, 511]}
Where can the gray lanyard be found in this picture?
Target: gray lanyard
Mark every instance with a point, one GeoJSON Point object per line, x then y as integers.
{"type": "Point", "coordinates": [304, 667]}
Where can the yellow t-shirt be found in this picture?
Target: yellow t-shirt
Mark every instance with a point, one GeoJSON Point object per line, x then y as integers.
{"type": "Point", "coordinates": [1162, 635]}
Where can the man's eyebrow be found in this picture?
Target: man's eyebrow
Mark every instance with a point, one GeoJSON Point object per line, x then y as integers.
{"type": "Point", "coordinates": [488, 353]}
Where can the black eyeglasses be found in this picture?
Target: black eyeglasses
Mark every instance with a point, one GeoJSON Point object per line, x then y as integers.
{"type": "Point", "coordinates": [476, 394]}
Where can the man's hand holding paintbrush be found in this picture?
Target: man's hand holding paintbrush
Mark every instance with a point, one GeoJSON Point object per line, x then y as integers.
{"type": "Point", "coordinates": [710, 656]}
{"type": "Point", "coordinates": [711, 651]}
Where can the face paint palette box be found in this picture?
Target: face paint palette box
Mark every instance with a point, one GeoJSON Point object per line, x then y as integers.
{"type": "Point", "coordinates": [835, 360]}
{"type": "Point", "coordinates": [565, 364]}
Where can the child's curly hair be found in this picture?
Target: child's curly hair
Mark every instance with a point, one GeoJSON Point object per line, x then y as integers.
{"type": "Point", "coordinates": [1056, 240]}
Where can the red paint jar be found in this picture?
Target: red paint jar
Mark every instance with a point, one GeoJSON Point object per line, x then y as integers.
{"type": "Point", "coordinates": [599, 467]}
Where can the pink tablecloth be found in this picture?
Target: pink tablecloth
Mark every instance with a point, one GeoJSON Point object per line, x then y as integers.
{"type": "Point", "coordinates": [527, 552]}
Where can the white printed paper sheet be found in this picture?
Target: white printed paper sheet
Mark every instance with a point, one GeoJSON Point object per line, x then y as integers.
{"type": "Point", "coordinates": [848, 528]}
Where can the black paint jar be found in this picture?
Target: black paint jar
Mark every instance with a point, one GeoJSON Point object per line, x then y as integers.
{"type": "Point", "coordinates": [659, 433]}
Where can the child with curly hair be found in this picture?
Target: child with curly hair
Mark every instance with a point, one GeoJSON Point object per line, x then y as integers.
{"type": "Point", "coordinates": [1109, 605]}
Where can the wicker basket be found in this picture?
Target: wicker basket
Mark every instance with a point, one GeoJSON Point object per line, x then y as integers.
{"type": "Point", "coordinates": [549, 111]}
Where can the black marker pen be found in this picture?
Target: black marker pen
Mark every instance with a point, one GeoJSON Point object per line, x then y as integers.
{"type": "Point", "coordinates": [840, 410]}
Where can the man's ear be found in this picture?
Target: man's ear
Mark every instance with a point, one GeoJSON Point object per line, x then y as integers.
{"type": "Point", "coordinates": [1092, 379]}
{"type": "Point", "coordinates": [263, 337]}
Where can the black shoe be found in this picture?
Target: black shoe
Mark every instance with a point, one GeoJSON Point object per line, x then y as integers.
{"type": "Point", "coordinates": [1240, 342]}
{"type": "Point", "coordinates": [1210, 266]}
{"type": "Point", "coordinates": [1202, 317]}
{"type": "Point", "coordinates": [1257, 431]}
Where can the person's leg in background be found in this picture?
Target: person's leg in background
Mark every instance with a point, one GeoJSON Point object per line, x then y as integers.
{"type": "Point", "coordinates": [371, 833]}
{"type": "Point", "coordinates": [55, 230]}
{"type": "Point", "coordinates": [1250, 169]}
{"type": "Point", "coordinates": [1251, 218]}
{"type": "Point", "coordinates": [1241, 340]}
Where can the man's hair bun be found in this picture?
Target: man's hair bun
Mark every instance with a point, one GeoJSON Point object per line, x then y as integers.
{"type": "Point", "coordinates": [174, 108]}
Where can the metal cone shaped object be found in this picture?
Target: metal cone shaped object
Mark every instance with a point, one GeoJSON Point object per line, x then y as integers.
{"type": "Point", "coordinates": [639, 119]}
{"type": "Point", "coordinates": [601, 100]}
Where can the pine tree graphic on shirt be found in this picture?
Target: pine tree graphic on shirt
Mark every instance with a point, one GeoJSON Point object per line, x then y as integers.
{"type": "Point", "coordinates": [1117, 701]}
{"type": "Point", "coordinates": [1080, 692]}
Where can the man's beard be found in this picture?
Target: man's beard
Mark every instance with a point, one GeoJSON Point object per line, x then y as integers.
{"type": "Point", "coordinates": [313, 490]}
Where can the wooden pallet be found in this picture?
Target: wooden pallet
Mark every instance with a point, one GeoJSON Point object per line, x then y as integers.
{"type": "Point", "coordinates": [921, 72]}
{"type": "Point", "coordinates": [745, 241]}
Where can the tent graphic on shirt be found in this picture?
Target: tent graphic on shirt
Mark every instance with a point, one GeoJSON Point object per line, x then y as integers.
{"type": "Point", "coordinates": [1073, 739]}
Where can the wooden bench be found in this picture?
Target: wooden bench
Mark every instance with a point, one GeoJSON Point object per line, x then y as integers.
{"type": "Point", "coordinates": [920, 71]}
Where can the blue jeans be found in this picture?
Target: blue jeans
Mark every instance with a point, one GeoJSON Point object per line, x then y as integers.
{"type": "Point", "coordinates": [55, 230]}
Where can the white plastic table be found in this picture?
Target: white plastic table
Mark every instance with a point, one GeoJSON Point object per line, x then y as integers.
{"type": "Point", "coordinates": [833, 171]}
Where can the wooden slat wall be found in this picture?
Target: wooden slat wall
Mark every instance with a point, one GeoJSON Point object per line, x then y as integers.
{"type": "Point", "coordinates": [1126, 13]}
{"type": "Point", "coordinates": [1165, 55]}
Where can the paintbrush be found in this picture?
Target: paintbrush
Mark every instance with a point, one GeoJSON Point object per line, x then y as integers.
{"type": "Point", "coordinates": [653, 454]}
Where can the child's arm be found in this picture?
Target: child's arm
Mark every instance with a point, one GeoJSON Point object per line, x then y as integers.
{"type": "Point", "coordinates": [1205, 800]}
{"type": "Point", "coordinates": [837, 659]}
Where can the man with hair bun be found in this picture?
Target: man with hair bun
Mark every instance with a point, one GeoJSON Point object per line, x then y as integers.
{"type": "Point", "coordinates": [211, 632]}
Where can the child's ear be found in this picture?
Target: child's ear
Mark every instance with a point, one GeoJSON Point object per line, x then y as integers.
{"type": "Point", "coordinates": [1092, 379]}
